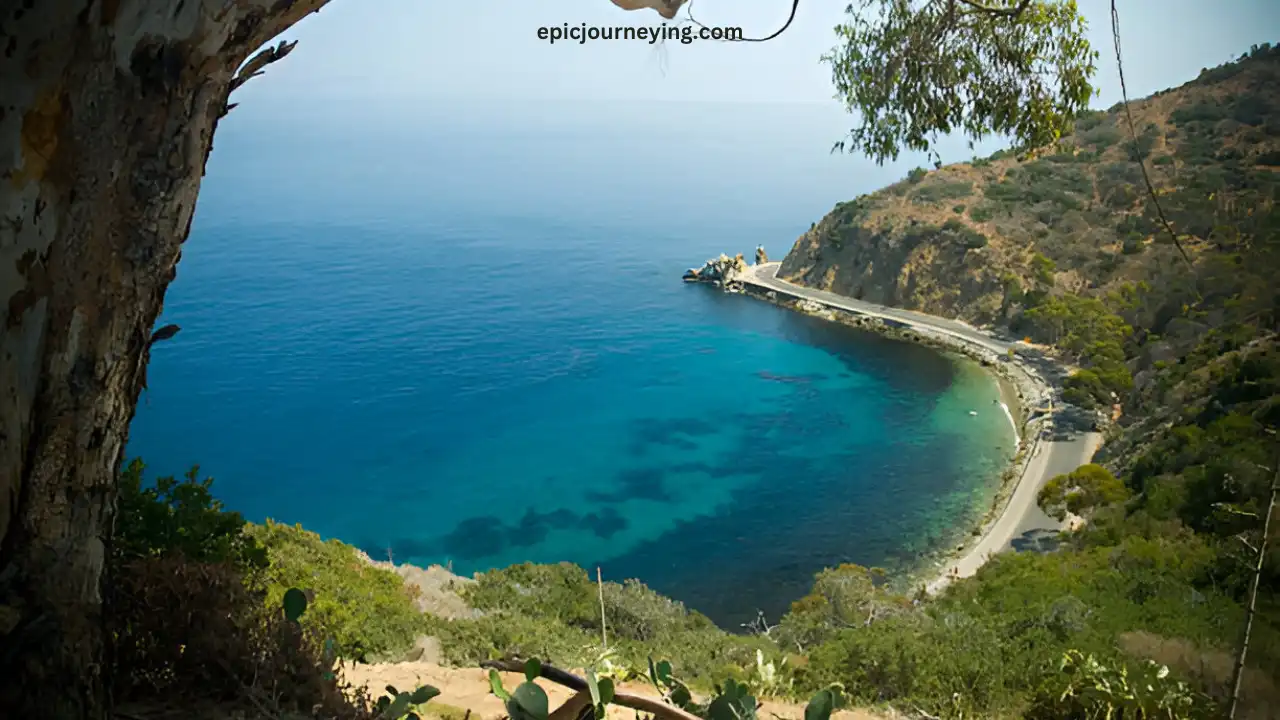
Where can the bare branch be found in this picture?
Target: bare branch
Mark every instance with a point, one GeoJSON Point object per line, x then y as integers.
{"type": "Point", "coordinates": [254, 67]}
{"type": "Point", "coordinates": [273, 19]}
{"type": "Point", "coordinates": [1238, 670]}
{"type": "Point", "coordinates": [573, 682]}
{"type": "Point", "coordinates": [1247, 544]}
{"type": "Point", "coordinates": [1142, 165]}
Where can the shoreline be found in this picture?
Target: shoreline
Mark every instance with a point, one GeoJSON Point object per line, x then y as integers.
{"type": "Point", "coordinates": [1023, 390]}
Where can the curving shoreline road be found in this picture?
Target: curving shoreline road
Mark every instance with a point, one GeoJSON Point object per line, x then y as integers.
{"type": "Point", "coordinates": [1021, 521]}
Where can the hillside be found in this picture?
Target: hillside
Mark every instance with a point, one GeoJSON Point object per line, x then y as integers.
{"type": "Point", "coordinates": [970, 240]}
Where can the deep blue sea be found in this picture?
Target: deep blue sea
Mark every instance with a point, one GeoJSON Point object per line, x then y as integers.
{"type": "Point", "coordinates": [459, 335]}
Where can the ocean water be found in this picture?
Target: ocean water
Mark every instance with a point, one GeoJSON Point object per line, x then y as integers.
{"type": "Point", "coordinates": [460, 336]}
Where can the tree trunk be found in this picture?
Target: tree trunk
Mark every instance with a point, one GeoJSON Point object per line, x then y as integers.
{"type": "Point", "coordinates": [107, 114]}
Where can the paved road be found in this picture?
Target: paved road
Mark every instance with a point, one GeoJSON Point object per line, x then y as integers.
{"type": "Point", "coordinates": [1022, 525]}
{"type": "Point", "coordinates": [766, 275]}
{"type": "Point", "coordinates": [1037, 531]}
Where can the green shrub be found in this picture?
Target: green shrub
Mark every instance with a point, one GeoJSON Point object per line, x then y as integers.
{"type": "Point", "coordinates": [635, 612]}
{"type": "Point", "coordinates": [957, 231]}
{"type": "Point", "coordinates": [1088, 120]}
{"type": "Point", "coordinates": [367, 611]}
{"type": "Point", "coordinates": [1087, 382]}
{"type": "Point", "coordinates": [1139, 148]}
{"type": "Point", "coordinates": [1086, 687]}
{"type": "Point", "coordinates": [957, 209]}
{"type": "Point", "coordinates": [1043, 269]}
{"type": "Point", "coordinates": [1063, 158]}
{"type": "Point", "coordinates": [1101, 137]}
{"type": "Point", "coordinates": [981, 213]}
{"type": "Point", "coordinates": [1080, 397]}
{"type": "Point", "coordinates": [1251, 109]}
{"type": "Point", "coordinates": [1201, 112]}
{"type": "Point", "coordinates": [840, 597]}
{"type": "Point", "coordinates": [917, 174]}
{"type": "Point", "coordinates": [1081, 491]}
{"type": "Point", "coordinates": [185, 614]}
{"type": "Point", "coordinates": [941, 190]}
{"type": "Point", "coordinates": [992, 644]}
{"type": "Point", "coordinates": [1135, 224]}
{"type": "Point", "coordinates": [553, 612]}
{"type": "Point", "coordinates": [1133, 243]}
{"type": "Point", "coordinates": [1271, 157]}
{"type": "Point", "coordinates": [191, 631]}
{"type": "Point", "coordinates": [179, 517]}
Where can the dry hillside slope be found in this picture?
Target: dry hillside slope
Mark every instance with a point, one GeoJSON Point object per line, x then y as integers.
{"type": "Point", "coordinates": [970, 240]}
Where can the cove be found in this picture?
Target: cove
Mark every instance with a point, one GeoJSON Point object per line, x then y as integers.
{"type": "Point", "coordinates": [425, 372]}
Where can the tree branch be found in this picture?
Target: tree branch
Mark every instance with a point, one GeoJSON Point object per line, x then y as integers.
{"type": "Point", "coordinates": [255, 67]}
{"type": "Point", "coordinates": [1238, 670]}
{"type": "Point", "coordinates": [573, 682]}
{"type": "Point", "coordinates": [274, 17]}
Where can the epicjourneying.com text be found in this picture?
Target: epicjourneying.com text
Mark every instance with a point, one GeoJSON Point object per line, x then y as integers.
{"type": "Point", "coordinates": [685, 34]}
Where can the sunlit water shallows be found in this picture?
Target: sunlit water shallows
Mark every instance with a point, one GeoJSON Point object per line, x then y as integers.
{"type": "Point", "coordinates": [473, 346]}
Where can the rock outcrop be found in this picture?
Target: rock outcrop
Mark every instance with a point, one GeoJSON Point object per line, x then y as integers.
{"type": "Point", "coordinates": [723, 272]}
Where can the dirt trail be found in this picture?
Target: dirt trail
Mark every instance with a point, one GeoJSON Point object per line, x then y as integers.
{"type": "Point", "coordinates": [468, 689]}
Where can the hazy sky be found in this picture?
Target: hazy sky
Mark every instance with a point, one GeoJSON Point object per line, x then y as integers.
{"type": "Point", "coordinates": [487, 49]}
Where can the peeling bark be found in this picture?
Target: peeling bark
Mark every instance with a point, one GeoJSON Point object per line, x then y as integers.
{"type": "Point", "coordinates": [107, 114]}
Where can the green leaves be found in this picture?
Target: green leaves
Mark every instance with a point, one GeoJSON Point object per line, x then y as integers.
{"type": "Point", "coordinates": [1090, 688]}
{"type": "Point", "coordinates": [423, 694]}
{"type": "Point", "coordinates": [395, 704]}
{"type": "Point", "coordinates": [674, 690]}
{"type": "Point", "coordinates": [179, 516]}
{"type": "Point", "coordinates": [495, 685]}
{"type": "Point", "coordinates": [366, 610]}
{"type": "Point", "coordinates": [1081, 491]}
{"type": "Point", "coordinates": [822, 704]}
{"type": "Point", "coordinates": [733, 701]}
{"type": "Point", "coordinates": [664, 672]}
{"type": "Point", "coordinates": [528, 702]}
{"type": "Point", "coordinates": [601, 691]}
{"type": "Point", "coordinates": [914, 71]}
{"type": "Point", "coordinates": [295, 603]}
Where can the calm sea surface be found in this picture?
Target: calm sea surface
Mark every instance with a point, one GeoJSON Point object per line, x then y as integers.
{"type": "Point", "coordinates": [462, 337]}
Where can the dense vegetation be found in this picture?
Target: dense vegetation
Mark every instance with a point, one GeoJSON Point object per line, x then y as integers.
{"type": "Point", "coordinates": [194, 597]}
{"type": "Point", "coordinates": [1162, 571]}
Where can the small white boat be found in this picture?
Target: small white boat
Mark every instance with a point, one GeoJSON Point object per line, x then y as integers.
{"type": "Point", "coordinates": [973, 412]}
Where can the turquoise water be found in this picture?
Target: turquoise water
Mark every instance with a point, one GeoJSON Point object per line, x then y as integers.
{"type": "Point", "coordinates": [471, 345]}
